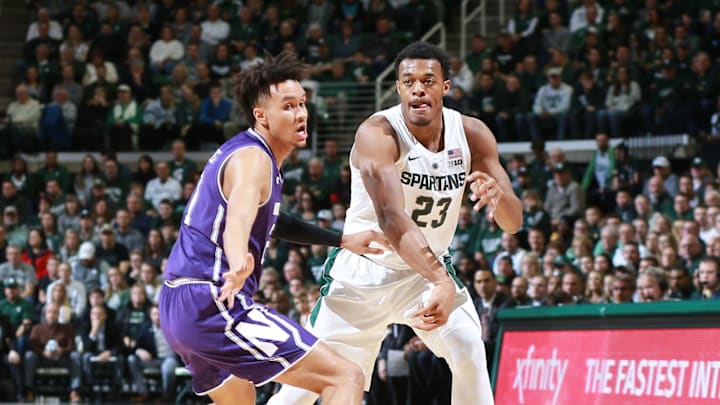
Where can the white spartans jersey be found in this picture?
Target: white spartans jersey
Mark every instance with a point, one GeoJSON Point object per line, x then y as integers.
{"type": "Point", "coordinates": [433, 183]}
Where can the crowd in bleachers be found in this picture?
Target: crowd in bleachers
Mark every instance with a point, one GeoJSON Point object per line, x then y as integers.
{"type": "Point", "coordinates": [84, 252]}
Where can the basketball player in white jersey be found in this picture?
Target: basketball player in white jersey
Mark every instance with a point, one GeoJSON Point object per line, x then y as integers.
{"type": "Point", "coordinates": [410, 166]}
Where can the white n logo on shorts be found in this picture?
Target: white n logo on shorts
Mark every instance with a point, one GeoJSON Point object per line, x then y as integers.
{"type": "Point", "coordinates": [267, 331]}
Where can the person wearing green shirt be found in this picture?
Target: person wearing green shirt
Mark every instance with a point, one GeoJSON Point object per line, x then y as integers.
{"type": "Point", "coordinates": [181, 168]}
{"type": "Point", "coordinates": [18, 311]}
{"type": "Point", "coordinates": [124, 121]}
{"type": "Point", "coordinates": [54, 170]}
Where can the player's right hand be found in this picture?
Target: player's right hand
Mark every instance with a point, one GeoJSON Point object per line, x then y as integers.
{"type": "Point", "coordinates": [437, 310]}
{"type": "Point", "coordinates": [366, 242]}
{"type": "Point", "coordinates": [235, 279]}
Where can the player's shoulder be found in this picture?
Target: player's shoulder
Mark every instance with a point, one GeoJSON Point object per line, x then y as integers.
{"type": "Point", "coordinates": [375, 124]}
{"type": "Point", "coordinates": [474, 126]}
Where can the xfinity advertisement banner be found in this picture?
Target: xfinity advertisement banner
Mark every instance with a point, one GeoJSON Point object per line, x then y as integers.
{"type": "Point", "coordinates": [618, 367]}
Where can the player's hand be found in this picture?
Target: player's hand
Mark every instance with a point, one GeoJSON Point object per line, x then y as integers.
{"type": "Point", "coordinates": [235, 279]}
{"type": "Point", "coordinates": [485, 190]}
{"type": "Point", "coordinates": [359, 243]}
{"type": "Point", "coordinates": [437, 310]}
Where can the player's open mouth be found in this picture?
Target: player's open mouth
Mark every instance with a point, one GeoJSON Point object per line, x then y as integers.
{"type": "Point", "coordinates": [419, 106]}
{"type": "Point", "coordinates": [302, 131]}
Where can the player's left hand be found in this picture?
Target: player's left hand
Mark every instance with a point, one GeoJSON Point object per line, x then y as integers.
{"type": "Point", "coordinates": [235, 279]}
{"type": "Point", "coordinates": [362, 242]}
{"type": "Point", "coordinates": [485, 190]}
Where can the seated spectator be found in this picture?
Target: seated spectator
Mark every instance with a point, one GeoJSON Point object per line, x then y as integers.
{"type": "Point", "coordinates": [159, 121]}
{"type": "Point", "coordinates": [92, 117]}
{"type": "Point", "coordinates": [36, 253]}
{"type": "Point", "coordinates": [31, 80]}
{"type": "Point", "coordinates": [76, 42]}
{"type": "Point", "coordinates": [117, 293]}
{"type": "Point", "coordinates": [623, 288]}
{"type": "Point", "coordinates": [75, 290]}
{"type": "Point", "coordinates": [537, 291]}
{"type": "Point", "coordinates": [52, 344]}
{"type": "Point", "coordinates": [214, 29]}
{"type": "Point", "coordinates": [652, 285]}
{"type": "Point", "coordinates": [22, 118]}
{"type": "Point", "coordinates": [486, 99]}
{"type": "Point", "coordinates": [214, 113]}
{"type": "Point", "coordinates": [488, 303]}
{"type": "Point", "coordinates": [166, 51]}
{"type": "Point", "coordinates": [551, 107]}
{"type": "Point", "coordinates": [155, 249]}
{"type": "Point", "coordinates": [97, 61]}
{"type": "Point", "coordinates": [557, 34]}
{"type": "Point", "coordinates": [102, 348]}
{"type": "Point", "coordinates": [10, 362]}
{"type": "Point", "coordinates": [512, 109]}
{"type": "Point", "coordinates": [523, 28]}
{"type": "Point", "coordinates": [123, 121]}
{"type": "Point", "coordinates": [621, 103]}
{"type": "Point", "coordinates": [58, 297]}
{"type": "Point", "coordinates": [89, 270]}
{"type": "Point", "coordinates": [132, 316]}
{"type": "Point", "coordinates": [707, 275]}
{"type": "Point", "coordinates": [19, 272]}
{"type": "Point", "coordinates": [109, 250]}
{"type": "Point", "coordinates": [11, 197]}
{"type": "Point", "coordinates": [18, 311]}
{"type": "Point", "coordinates": [140, 80]}
{"type": "Point", "coordinates": [57, 123]}
{"type": "Point", "coordinates": [163, 186]}
{"type": "Point", "coordinates": [564, 196]}
{"type": "Point", "coordinates": [588, 99]}
{"type": "Point", "coordinates": [43, 17]}
{"type": "Point", "coordinates": [52, 275]}
{"type": "Point", "coordinates": [152, 350]}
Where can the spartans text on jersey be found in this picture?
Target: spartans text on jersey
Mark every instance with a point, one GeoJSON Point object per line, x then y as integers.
{"type": "Point", "coordinates": [433, 183]}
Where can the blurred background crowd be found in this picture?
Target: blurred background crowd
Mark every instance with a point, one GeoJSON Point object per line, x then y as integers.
{"type": "Point", "coordinates": [84, 245]}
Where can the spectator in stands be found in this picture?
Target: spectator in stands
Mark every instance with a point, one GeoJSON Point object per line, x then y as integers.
{"type": "Point", "coordinates": [19, 271]}
{"type": "Point", "coordinates": [52, 344]}
{"type": "Point", "coordinates": [11, 197]}
{"type": "Point", "coordinates": [537, 291]}
{"type": "Point", "coordinates": [486, 99]}
{"type": "Point", "coordinates": [597, 180]}
{"type": "Point", "coordinates": [85, 178]}
{"type": "Point", "coordinates": [460, 74]}
{"type": "Point", "coordinates": [623, 288]}
{"type": "Point", "coordinates": [574, 286]}
{"type": "Point", "coordinates": [159, 121]}
{"type": "Point", "coordinates": [621, 103]}
{"type": "Point", "coordinates": [10, 361]}
{"type": "Point", "coordinates": [510, 248]}
{"type": "Point", "coordinates": [131, 316]}
{"type": "Point", "coordinates": [588, 99]}
{"type": "Point", "coordinates": [43, 283]}
{"type": "Point", "coordinates": [91, 120]}
{"type": "Point", "coordinates": [58, 297]}
{"type": "Point", "coordinates": [214, 113]}
{"type": "Point", "coordinates": [667, 114]}
{"type": "Point", "coordinates": [552, 104]}
{"type": "Point", "coordinates": [21, 117]}
{"type": "Point", "coordinates": [556, 35]}
{"type": "Point", "coordinates": [97, 60]}
{"type": "Point", "coordinates": [579, 18]}
{"type": "Point", "coordinates": [518, 291]}
{"type": "Point", "coordinates": [109, 250]}
{"type": "Point", "coordinates": [707, 276]}
{"type": "Point", "coordinates": [214, 29]}
{"type": "Point", "coordinates": [76, 42]}
{"type": "Point", "coordinates": [149, 279]}
{"type": "Point", "coordinates": [57, 122]}
{"type": "Point", "coordinates": [89, 270]}
{"type": "Point", "coordinates": [488, 303]}
{"type": "Point", "coordinates": [660, 199]}
{"type": "Point", "coordinates": [125, 235]}
{"type": "Point", "coordinates": [523, 28]}
{"type": "Point", "coordinates": [69, 81]}
{"type": "Point", "coordinates": [117, 293]}
{"type": "Point", "coordinates": [512, 108]}
{"type": "Point", "coordinates": [652, 285]}
{"type": "Point", "coordinates": [123, 121]}
{"type": "Point", "coordinates": [564, 196]}
{"type": "Point", "coordinates": [680, 284]}
{"type": "Point", "coordinates": [152, 350]}
{"type": "Point", "coordinates": [43, 17]}
{"type": "Point", "coordinates": [115, 184]}
{"type": "Point", "coordinates": [163, 186]}
{"type": "Point", "coordinates": [102, 349]}
{"type": "Point", "coordinates": [18, 310]}
{"type": "Point", "coordinates": [691, 251]}
{"type": "Point", "coordinates": [36, 252]}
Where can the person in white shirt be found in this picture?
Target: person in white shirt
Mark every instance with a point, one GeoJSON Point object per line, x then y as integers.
{"type": "Point", "coordinates": [163, 186]}
{"type": "Point", "coordinates": [75, 290]}
{"type": "Point", "coordinates": [461, 75]}
{"type": "Point", "coordinates": [214, 29]}
{"type": "Point", "coordinates": [552, 103]}
{"type": "Point", "coordinates": [166, 51]}
{"type": "Point", "coordinates": [511, 248]}
{"type": "Point", "coordinates": [578, 19]}
{"type": "Point", "coordinates": [709, 236]}
{"type": "Point", "coordinates": [43, 15]}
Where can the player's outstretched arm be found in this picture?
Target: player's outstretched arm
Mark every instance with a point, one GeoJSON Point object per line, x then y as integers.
{"type": "Point", "coordinates": [488, 181]}
{"type": "Point", "coordinates": [246, 185]}
{"type": "Point", "coordinates": [295, 230]}
{"type": "Point", "coordinates": [374, 154]}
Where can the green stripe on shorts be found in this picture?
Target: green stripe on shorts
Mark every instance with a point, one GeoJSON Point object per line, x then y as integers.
{"type": "Point", "coordinates": [325, 281]}
{"type": "Point", "coordinates": [451, 271]}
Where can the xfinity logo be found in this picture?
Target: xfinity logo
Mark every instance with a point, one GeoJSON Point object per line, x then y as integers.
{"type": "Point", "coordinates": [539, 374]}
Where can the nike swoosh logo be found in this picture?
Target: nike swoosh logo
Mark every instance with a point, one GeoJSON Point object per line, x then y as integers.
{"type": "Point", "coordinates": [414, 157]}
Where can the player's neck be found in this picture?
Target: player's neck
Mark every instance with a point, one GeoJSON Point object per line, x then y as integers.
{"type": "Point", "coordinates": [279, 150]}
{"type": "Point", "coordinates": [430, 136]}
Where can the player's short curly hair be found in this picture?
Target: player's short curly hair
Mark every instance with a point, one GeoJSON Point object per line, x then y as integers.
{"type": "Point", "coordinates": [425, 50]}
{"type": "Point", "coordinates": [254, 83]}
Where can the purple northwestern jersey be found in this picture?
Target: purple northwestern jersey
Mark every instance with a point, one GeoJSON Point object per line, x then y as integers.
{"type": "Point", "coordinates": [199, 252]}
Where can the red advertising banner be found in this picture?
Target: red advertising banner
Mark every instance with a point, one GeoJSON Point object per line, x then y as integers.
{"type": "Point", "coordinates": [618, 367]}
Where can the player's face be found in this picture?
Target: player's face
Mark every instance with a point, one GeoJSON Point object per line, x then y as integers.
{"type": "Point", "coordinates": [284, 113]}
{"type": "Point", "coordinates": [421, 87]}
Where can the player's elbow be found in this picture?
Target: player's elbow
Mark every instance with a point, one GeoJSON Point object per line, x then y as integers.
{"type": "Point", "coordinates": [389, 220]}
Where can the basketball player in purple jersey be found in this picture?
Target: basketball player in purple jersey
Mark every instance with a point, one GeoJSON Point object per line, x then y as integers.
{"type": "Point", "coordinates": [229, 342]}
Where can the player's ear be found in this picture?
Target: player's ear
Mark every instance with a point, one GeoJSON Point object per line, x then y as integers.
{"type": "Point", "coordinates": [397, 88]}
{"type": "Point", "coordinates": [446, 87]}
{"type": "Point", "coordinates": [259, 115]}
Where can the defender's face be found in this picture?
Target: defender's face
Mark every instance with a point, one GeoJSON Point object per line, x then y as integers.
{"type": "Point", "coordinates": [421, 87]}
{"type": "Point", "coordinates": [286, 113]}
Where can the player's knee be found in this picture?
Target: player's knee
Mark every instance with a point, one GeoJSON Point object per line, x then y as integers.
{"type": "Point", "coordinates": [350, 374]}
